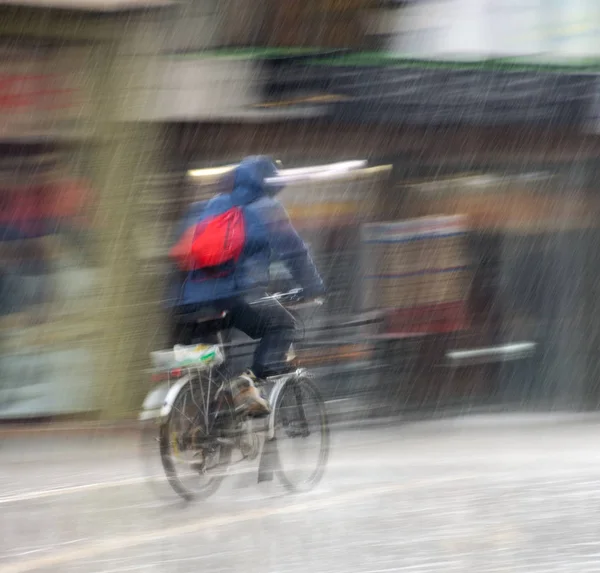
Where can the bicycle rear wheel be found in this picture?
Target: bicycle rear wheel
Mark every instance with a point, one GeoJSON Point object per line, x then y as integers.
{"type": "Point", "coordinates": [301, 434]}
{"type": "Point", "coordinates": [195, 443]}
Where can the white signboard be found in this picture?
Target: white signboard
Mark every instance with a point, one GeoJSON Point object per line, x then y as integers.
{"type": "Point", "coordinates": [473, 29]}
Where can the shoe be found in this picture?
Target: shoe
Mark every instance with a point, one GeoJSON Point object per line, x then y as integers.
{"type": "Point", "coordinates": [247, 397]}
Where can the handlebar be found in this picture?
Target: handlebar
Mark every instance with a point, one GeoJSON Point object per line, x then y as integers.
{"type": "Point", "coordinates": [293, 298]}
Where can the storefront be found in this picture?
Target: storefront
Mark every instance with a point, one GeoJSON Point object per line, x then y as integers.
{"type": "Point", "coordinates": [531, 230]}
{"type": "Point", "coordinates": [417, 126]}
{"type": "Point", "coordinates": [49, 275]}
{"type": "Point", "coordinates": [70, 171]}
{"type": "Point", "coordinates": [512, 153]}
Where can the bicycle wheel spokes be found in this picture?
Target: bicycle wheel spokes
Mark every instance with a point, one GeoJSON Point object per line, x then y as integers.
{"type": "Point", "coordinates": [193, 455]}
{"type": "Point", "coordinates": [302, 435]}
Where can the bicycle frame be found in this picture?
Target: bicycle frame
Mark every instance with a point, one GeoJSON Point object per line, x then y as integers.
{"type": "Point", "coordinates": [159, 401]}
{"type": "Point", "coordinates": [214, 380]}
{"type": "Point", "coordinates": [268, 456]}
{"type": "Point", "coordinates": [175, 389]}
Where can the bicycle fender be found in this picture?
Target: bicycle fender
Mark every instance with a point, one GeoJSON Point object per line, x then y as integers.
{"type": "Point", "coordinates": [274, 396]}
{"type": "Point", "coordinates": [153, 403]}
{"type": "Point", "coordinates": [169, 400]}
{"type": "Point", "coordinates": [156, 397]}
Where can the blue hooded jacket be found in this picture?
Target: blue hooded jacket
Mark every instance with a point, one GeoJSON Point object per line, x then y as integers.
{"type": "Point", "coordinates": [269, 236]}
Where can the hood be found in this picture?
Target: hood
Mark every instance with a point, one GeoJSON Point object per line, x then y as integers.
{"type": "Point", "coordinates": [249, 180]}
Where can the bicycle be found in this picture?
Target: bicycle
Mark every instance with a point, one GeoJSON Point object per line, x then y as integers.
{"type": "Point", "coordinates": [198, 423]}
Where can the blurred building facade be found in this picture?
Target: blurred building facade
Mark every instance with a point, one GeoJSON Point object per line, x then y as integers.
{"type": "Point", "coordinates": [148, 96]}
{"type": "Point", "coordinates": [71, 168]}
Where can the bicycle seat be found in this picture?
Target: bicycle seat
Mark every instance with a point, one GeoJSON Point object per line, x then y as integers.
{"type": "Point", "coordinates": [204, 314]}
{"type": "Point", "coordinates": [217, 317]}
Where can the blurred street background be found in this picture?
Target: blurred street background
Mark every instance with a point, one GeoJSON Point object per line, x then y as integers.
{"type": "Point", "coordinates": [462, 265]}
{"type": "Point", "coordinates": [460, 261]}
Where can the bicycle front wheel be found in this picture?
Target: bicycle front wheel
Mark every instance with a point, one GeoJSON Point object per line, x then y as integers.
{"type": "Point", "coordinates": [301, 434]}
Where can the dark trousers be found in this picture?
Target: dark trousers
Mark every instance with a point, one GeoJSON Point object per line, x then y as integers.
{"type": "Point", "coordinates": [270, 324]}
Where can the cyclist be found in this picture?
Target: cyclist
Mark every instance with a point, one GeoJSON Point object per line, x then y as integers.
{"type": "Point", "coordinates": [269, 236]}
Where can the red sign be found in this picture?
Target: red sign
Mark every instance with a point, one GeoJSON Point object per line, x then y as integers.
{"type": "Point", "coordinates": [22, 93]}
{"type": "Point", "coordinates": [29, 209]}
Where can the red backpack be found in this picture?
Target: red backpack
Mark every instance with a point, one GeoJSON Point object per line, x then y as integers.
{"type": "Point", "coordinates": [212, 243]}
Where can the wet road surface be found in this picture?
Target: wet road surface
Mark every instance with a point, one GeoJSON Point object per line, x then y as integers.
{"type": "Point", "coordinates": [487, 493]}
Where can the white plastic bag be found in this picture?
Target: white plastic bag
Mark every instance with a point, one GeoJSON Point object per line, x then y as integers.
{"type": "Point", "coordinates": [198, 355]}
